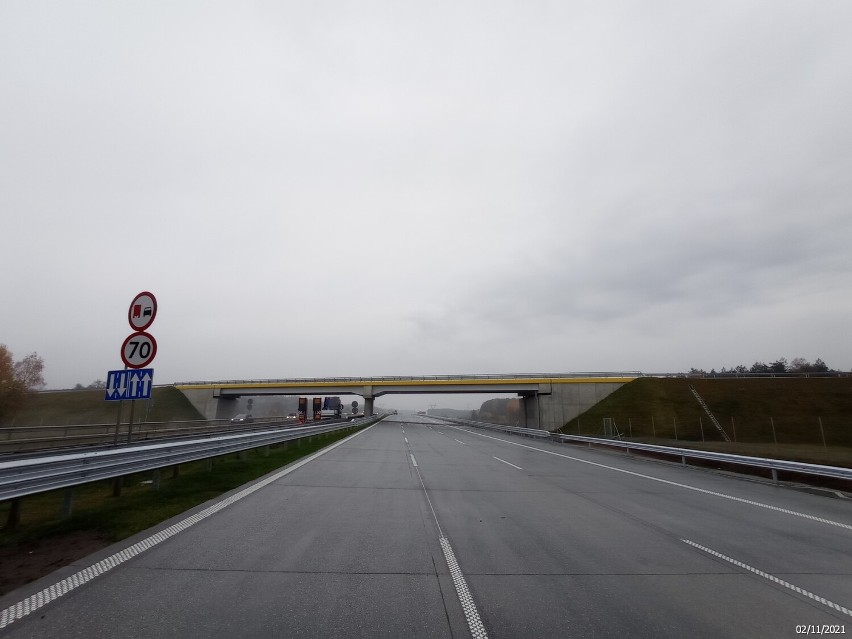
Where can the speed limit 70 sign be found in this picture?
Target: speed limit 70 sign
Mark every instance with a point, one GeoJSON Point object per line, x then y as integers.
{"type": "Point", "coordinates": [138, 350]}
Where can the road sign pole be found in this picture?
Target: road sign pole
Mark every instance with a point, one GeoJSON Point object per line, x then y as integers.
{"type": "Point", "coordinates": [130, 423]}
{"type": "Point", "coordinates": [118, 420]}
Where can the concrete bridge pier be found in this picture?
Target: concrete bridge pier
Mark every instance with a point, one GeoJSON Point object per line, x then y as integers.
{"type": "Point", "coordinates": [531, 410]}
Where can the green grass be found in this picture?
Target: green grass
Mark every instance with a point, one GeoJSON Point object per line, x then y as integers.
{"type": "Point", "coordinates": [140, 506]}
{"type": "Point", "coordinates": [775, 417]}
{"type": "Point", "coordinates": [58, 408]}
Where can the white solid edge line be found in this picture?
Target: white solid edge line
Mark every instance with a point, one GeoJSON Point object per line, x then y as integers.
{"type": "Point", "coordinates": [509, 463]}
{"type": "Point", "coordinates": [772, 578]}
{"type": "Point", "coordinates": [465, 598]}
{"type": "Point", "coordinates": [413, 461]}
{"type": "Point", "coordinates": [63, 587]}
{"type": "Point", "coordinates": [714, 493]}
{"type": "Point", "coordinates": [474, 622]}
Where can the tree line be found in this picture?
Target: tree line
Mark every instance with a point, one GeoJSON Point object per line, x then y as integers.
{"type": "Point", "coordinates": [797, 365]}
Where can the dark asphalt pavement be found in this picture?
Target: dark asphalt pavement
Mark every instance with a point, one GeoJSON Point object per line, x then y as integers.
{"type": "Point", "coordinates": [551, 540]}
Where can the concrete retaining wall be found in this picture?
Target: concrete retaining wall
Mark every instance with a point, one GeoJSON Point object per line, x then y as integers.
{"type": "Point", "coordinates": [564, 403]}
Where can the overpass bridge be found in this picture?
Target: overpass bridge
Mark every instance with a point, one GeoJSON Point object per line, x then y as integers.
{"type": "Point", "coordinates": [548, 400]}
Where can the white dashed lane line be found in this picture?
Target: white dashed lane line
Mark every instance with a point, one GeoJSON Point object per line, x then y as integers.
{"type": "Point", "coordinates": [508, 463]}
{"type": "Point", "coordinates": [413, 461]}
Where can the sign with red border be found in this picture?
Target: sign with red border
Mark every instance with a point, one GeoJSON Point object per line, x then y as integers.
{"type": "Point", "coordinates": [138, 350]}
{"type": "Point", "coordinates": [143, 310]}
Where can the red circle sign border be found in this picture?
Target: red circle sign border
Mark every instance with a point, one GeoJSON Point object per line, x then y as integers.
{"type": "Point", "coordinates": [153, 349]}
{"type": "Point", "coordinates": [140, 329]}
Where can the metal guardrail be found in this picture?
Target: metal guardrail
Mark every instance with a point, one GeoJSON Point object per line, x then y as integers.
{"type": "Point", "coordinates": [517, 430]}
{"type": "Point", "coordinates": [17, 439]}
{"type": "Point", "coordinates": [22, 477]}
{"type": "Point", "coordinates": [773, 465]}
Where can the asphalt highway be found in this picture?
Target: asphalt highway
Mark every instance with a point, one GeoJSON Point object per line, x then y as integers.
{"type": "Point", "coordinates": [420, 528]}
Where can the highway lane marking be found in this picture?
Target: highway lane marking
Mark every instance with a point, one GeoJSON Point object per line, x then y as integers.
{"type": "Point", "coordinates": [772, 578]}
{"type": "Point", "coordinates": [406, 440]}
{"type": "Point", "coordinates": [465, 598]}
{"type": "Point", "coordinates": [471, 614]}
{"type": "Point", "coordinates": [460, 442]}
{"type": "Point", "coordinates": [63, 587]}
{"type": "Point", "coordinates": [714, 493]}
{"type": "Point", "coordinates": [413, 461]}
{"type": "Point", "coordinates": [509, 463]}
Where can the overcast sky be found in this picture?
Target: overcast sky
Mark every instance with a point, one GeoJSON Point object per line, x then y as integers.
{"type": "Point", "coordinates": [386, 188]}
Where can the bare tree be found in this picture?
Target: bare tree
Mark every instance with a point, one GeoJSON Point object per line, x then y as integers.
{"type": "Point", "coordinates": [29, 372]}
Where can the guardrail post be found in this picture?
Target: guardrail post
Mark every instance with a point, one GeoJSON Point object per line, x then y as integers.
{"type": "Point", "coordinates": [683, 460]}
{"type": "Point", "coordinates": [14, 517]}
{"type": "Point", "coordinates": [67, 503]}
{"type": "Point", "coordinates": [775, 475]}
{"type": "Point", "coordinates": [155, 479]}
{"type": "Point", "coordinates": [117, 485]}
{"type": "Point", "coordinates": [266, 451]}
{"type": "Point", "coordinates": [175, 471]}
{"type": "Point", "coordinates": [209, 465]}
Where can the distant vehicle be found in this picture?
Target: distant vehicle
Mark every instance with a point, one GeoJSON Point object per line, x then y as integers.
{"type": "Point", "coordinates": [292, 417]}
{"type": "Point", "coordinates": [421, 412]}
{"type": "Point", "coordinates": [242, 418]}
{"type": "Point", "coordinates": [332, 408]}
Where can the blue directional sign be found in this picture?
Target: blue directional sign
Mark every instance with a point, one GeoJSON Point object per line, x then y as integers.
{"type": "Point", "coordinates": [129, 384]}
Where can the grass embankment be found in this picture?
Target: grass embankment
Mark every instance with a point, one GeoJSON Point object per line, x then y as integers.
{"type": "Point", "coordinates": [103, 519]}
{"type": "Point", "coordinates": [772, 417]}
{"type": "Point", "coordinates": [58, 408]}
